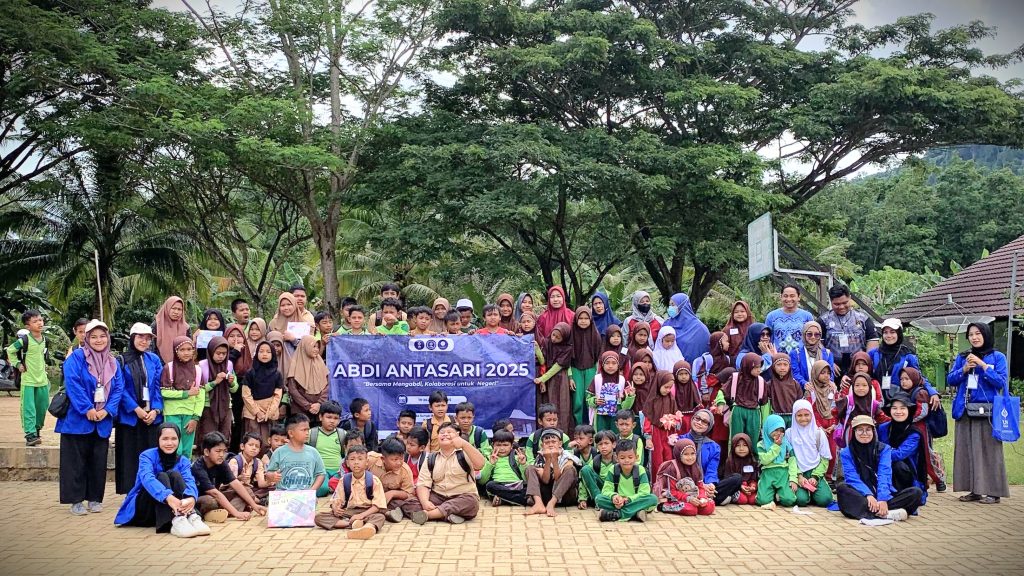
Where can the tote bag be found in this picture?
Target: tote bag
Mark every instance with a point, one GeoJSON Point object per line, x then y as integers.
{"type": "Point", "coordinates": [1006, 417]}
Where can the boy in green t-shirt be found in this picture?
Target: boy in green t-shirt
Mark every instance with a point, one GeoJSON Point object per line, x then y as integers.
{"type": "Point", "coordinates": [391, 318]}
{"type": "Point", "coordinates": [627, 489]}
{"type": "Point", "coordinates": [625, 424]}
{"type": "Point", "coordinates": [594, 472]}
{"type": "Point", "coordinates": [328, 440]}
{"type": "Point", "coordinates": [503, 474]}
{"type": "Point", "coordinates": [28, 355]}
{"type": "Point", "coordinates": [465, 412]}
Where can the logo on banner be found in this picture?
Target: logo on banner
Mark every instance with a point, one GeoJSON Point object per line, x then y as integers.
{"type": "Point", "coordinates": [431, 344]}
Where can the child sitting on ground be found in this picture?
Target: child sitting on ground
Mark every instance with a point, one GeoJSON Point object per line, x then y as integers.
{"type": "Point", "coordinates": [627, 489]}
{"type": "Point", "coordinates": [247, 467]}
{"type": "Point", "coordinates": [394, 474]}
{"type": "Point", "coordinates": [741, 461]}
{"type": "Point", "coordinates": [553, 478]}
{"type": "Point", "coordinates": [593, 474]}
{"type": "Point", "coordinates": [680, 483]}
{"type": "Point", "coordinates": [547, 417]}
{"type": "Point", "coordinates": [357, 505]}
{"type": "Point", "coordinates": [416, 451]}
{"type": "Point", "coordinates": [301, 466]}
{"type": "Point", "coordinates": [465, 413]}
{"type": "Point", "coordinates": [220, 493]}
{"type": "Point", "coordinates": [503, 474]}
{"type": "Point", "coordinates": [362, 422]}
{"type": "Point", "coordinates": [327, 440]}
{"type": "Point", "coordinates": [778, 466]}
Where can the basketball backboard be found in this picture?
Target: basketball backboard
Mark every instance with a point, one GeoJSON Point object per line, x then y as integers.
{"type": "Point", "coordinates": [760, 247]}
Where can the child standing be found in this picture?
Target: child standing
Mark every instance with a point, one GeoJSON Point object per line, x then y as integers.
{"type": "Point", "coordinates": [464, 415]}
{"type": "Point", "coordinates": [608, 392]}
{"type": "Point", "coordinates": [506, 310]}
{"type": "Point", "coordinates": [357, 505]}
{"type": "Point", "coordinates": [300, 465]}
{"type": "Point", "coordinates": [821, 392]}
{"type": "Point", "coordinates": [860, 400]}
{"type": "Point", "coordinates": [741, 461]}
{"type": "Point", "coordinates": [438, 401]}
{"type": "Point", "coordinates": [554, 384]}
{"type": "Point", "coordinates": [492, 321]}
{"type": "Point", "coordinates": [262, 390]}
{"type": "Point", "coordinates": [421, 320]}
{"type": "Point", "coordinates": [812, 453]}
{"type": "Point", "coordinates": [28, 355]}
{"type": "Point", "coordinates": [778, 466]}
{"type": "Point", "coordinates": [326, 439]}
{"type": "Point", "coordinates": [183, 393]}
{"type": "Point", "coordinates": [587, 347]}
{"type": "Point", "coordinates": [391, 318]}
{"type": "Point", "coordinates": [307, 379]}
{"type": "Point", "coordinates": [361, 423]}
{"type": "Point", "coordinates": [680, 483]}
{"type": "Point", "coordinates": [627, 489]}
{"type": "Point", "coordinates": [219, 382]}
{"type": "Point", "coordinates": [686, 392]}
{"type": "Point", "coordinates": [783, 389]}
{"type": "Point", "coordinates": [746, 395]}
{"type": "Point", "coordinates": [659, 405]}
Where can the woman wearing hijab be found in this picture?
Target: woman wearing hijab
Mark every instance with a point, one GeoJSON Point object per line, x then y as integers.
{"type": "Point", "coordinates": [139, 413]}
{"type": "Point", "coordinates": [524, 303]}
{"type": "Point", "coordinates": [719, 347]}
{"type": "Point", "coordinates": [641, 312]}
{"type": "Point", "coordinates": [813, 454]}
{"type": "Point", "coordinates": [759, 341]}
{"type": "Point", "coordinates": [738, 325]}
{"type": "Point", "coordinates": [556, 312]}
{"type": "Point", "coordinates": [665, 351]}
{"type": "Point", "coordinates": [307, 380]}
{"type": "Point", "coordinates": [554, 384]}
{"type": "Point", "coordinates": [709, 455]}
{"type": "Point", "coordinates": [604, 316]}
{"type": "Point", "coordinates": [587, 347]}
{"type": "Point", "coordinates": [868, 493]}
{"type": "Point", "coordinates": [283, 354]}
{"type": "Point", "coordinates": [213, 321]}
{"type": "Point", "coordinates": [810, 351]}
{"type": "Point", "coordinates": [507, 310]}
{"type": "Point", "coordinates": [440, 309]}
{"type": "Point", "coordinates": [256, 331]}
{"type": "Point", "coordinates": [168, 324]}
{"type": "Point", "coordinates": [183, 393]}
{"type": "Point", "coordinates": [164, 493]}
{"type": "Point", "coordinates": [691, 334]}
{"type": "Point", "coordinates": [262, 390]}
{"type": "Point", "coordinates": [288, 312]}
{"type": "Point", "coordinates": [893, 355]}
{"type": "Point", "coordinates": [219, 381]}
{"type": "Point", "coordinates": [979, 374]}
{"type": "Point", "coordinates": [93, 384]}
{"type": "Point", "coordinates": [909, 448]}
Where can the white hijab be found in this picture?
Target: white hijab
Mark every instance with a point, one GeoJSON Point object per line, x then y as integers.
{"type": "Point", "coordinates": [809, 442]}
{"type": "Point", "coordinates": [666, 359]}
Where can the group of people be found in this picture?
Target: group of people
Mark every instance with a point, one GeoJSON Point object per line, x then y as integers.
{"type": "Point", "coordinates": [663, 413]}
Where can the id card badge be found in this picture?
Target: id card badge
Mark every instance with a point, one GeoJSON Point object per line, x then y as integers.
{"type": "Point", "coordinates": [831, 395]}
{"type": "Point", "coordinates": [145, 394]}
{"type": "Point", "coordinates": [99, 396]}
{"type": "Point", "coordinates": [624, 350]}
{"type": "Point", "coordinates": [972, 381]}
{"type": "Point", "coordinates": [734, 331]}
{"type": "Point", "coordinates": [844, 339]}
{"type": "Point", "coordinates": [748, 469]}
{"type": "Point", "coordinates": [886, 382]}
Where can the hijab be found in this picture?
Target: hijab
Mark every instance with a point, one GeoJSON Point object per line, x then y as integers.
{"type": "Point", "coordinates": [167, 330]}
{"type": "Point", "coordinates": [805, 440]}
{"type": "Point", "coordinates": [184, 372]}
{"type": "Point", "coordinates": [284, 358]}
{"type": "Point", "coordinates": [900, 431]}
{"type": "Point", "coordinates": [264, 377]}
{"type": "Point", "coordinates": [658, 405]}
{"type": "Point", "coordinates": [135, 364]}
{"type": "Point", "coordinates": [245, 357]}
{"type": "Point", "coordinates": [518, 310]}
{"type": "Point", "coordinates": [437, 324]}
{"type": "Point", "coordinates": [862, 404]}
{"type": "Point", "coordinates": [736, 340]}
{"type": "Point", "coordinates": [700, 439]}
{"type": "Point", "coordinates": [746, 385]}
{"type": "Point", "coordinates": [308, 368]}
{"type": "Point", "coordinates": [101, 365]}
{"type": "Point", "coordinates": [168, 461]}
{"type": "Point", "coordinates": [752, 339]}
{"type": "Point", "coordinates": [687, 395]}
{"type": "Point", "coordinates": [220, 396]}
{"type": "Point", "coordinates": [862, 356]}
{"type": "Point", "coordinates": [813, 352]}
{"type": "Point", "coordinates": [721, 358]}
{"type": "Point", "coordinates": [552, 316]}
{"type": "Point", "coordinates": [561, 352]}
{"type": "Point", "coordinates": [649, 318]}
{"type": "Point", "coordinates": [533, 331]}
{"type": "Point", "coordinates": [772, 423]}
{"type": "Point", "coordinates": [687, 471]}
{"type": "Point", "coordinates": [630, 344]}
{"type": "Point", "coordinates": [643, 391]}
{"type": "Point", "coordinates": [280, 322]}
{"type": "Point", "coordinates": [822, 403]}
{"type": "Point", "coordinates": [614, 329]}
{"type": "Point", "coordinates": [607, 319]}
{"type": "Point", "coordinates": [691, 334]}
{"type": "Point", "coordinates": [889, 355]}
{"type": "Point", "coordinates": [735, 464]}
{"type": "Point", "coordinates": [865, 458]}
{"type": "Point", "coordinates": [586, 342]}
{"type": "Point", "coordinates": [213, 312]}
{"type": "Point", "coordinates": [665, 359]}
{"type": "Point", "coordinates": [263, 330]}
{"type": "Point", "coordinates": [784, 392]}
{"type": "Point", "coordinates": [508, 322]}
{"type": "Point", "coordinates": [987, 342]}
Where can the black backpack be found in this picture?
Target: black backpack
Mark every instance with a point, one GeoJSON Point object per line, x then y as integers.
{"type": "Point", "coordinates": [617, 475]}
{"type": "Point", "coordinates": [515, 465]}
{"type": "Point", "coordinates": [459, 455]}
{"type": "Point", "coordinates": [347, 485]}
{"type": "Point", "coordinates": [8, 371]}
{"type": "Point", "coordinates": [241, 465]}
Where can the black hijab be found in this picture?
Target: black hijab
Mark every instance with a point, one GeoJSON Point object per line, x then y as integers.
{"type": "Point", "coordinates": [889, 355]}
{"type": "Point", "coordinates": [752, 342]}
{"type": "Point", "coordinates": [134, 362]}
{"type": "Point", "coordinates": [263, 378]}
{"type": "Point", "coordinates": [899, 432]}
{"type": "Point", "coordinates": [865, 458]}
{"type": "Point", "coordinates": [987, 344]}
{"type": "Point", "coordinates": [168, 461]}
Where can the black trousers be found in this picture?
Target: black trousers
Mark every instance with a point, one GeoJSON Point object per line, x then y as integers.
{"type": "Point", "coordinates": [854, 505]}
{"type": "Point", "coordinates": [511, 493]}
{"type": "Point", "coordinates": [726, 487]}
{"type": "Point", "coordinates": [149, 512]}
{"type": "Point", "coordinates": [83, 467]}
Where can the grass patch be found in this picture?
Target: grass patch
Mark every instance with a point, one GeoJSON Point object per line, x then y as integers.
{"type": "Point", "coordinates": [1012, 453]}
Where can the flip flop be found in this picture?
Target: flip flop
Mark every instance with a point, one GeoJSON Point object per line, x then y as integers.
{"type": "Point", "coordinates": [972, 497]}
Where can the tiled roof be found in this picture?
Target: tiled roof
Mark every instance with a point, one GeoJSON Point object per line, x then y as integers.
{"type": "Point", "coordinates": [981, 288]}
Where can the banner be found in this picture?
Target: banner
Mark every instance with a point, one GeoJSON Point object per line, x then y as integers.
{"type": "Point", "coordinates": [396, 373]}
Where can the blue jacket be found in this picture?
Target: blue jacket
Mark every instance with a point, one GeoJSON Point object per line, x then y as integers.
{"type": "Point", "coordinates": [80, 386]}
{"type": "Point", "coordinates": [126, 413]}
{"type": "Point", "coordinates": [710, 455]}
{"type": "Point", "coordinates": [883, 491]}
{"type": "Point", "coordinates": [149, 467]}
{"type": "Point", "coordinates": [906, 452]}
{"type": "Point", "coordinates": [905, 361]}
{"type": "Point", "coordinates": [990, 382]}
{"type": "Point", "coordinates": [801, 371]}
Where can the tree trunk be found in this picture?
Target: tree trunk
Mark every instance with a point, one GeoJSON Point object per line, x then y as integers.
{"type": "Point", "coordinates": [326, 235]}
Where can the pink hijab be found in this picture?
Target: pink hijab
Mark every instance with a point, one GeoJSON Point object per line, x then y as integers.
{"type": "Point", "coordinates": [551, 316]}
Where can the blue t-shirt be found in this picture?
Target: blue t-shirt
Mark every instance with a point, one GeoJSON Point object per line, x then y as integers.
{"type": "Point", "coordinates": [787, 329]}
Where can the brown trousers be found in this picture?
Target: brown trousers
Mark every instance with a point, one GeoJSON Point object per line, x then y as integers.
{"type": "Point", "coordinates": [208, 503]}
{"type": "Point", "coordinates": [376, 519]}
{"type": "Point", "coordinates": [211, 422]}
{"type": "Point", "coordinates": [559, 489]}
{"type": "Point", "coordinates": [465, 505]}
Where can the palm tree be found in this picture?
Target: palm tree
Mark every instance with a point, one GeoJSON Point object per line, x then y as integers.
{"type": "Point", "coordinates": [92, 207]}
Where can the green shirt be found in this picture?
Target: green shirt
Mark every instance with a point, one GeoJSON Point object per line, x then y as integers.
{"type": "Point", "coordinates": [35, 361]}
{"type": "Point", "coordinates": [603, 472]}
{"type": "Point", "coordinates": [299, 468]}
{"type": "Point", "coordinates": [485, 443]}
{"type": "Point", "coordinates": [626, 487]}
{"type": "Point", "coordinates": [766, 457]}
{"type": "Point", "coordinates": [399, 328]}
{"type": "Point", "coordinates": [639, 445]}
{"type": "Point", "coordinates": [328, 445]}
{"type": "Point", "coordinates": [501, 471]}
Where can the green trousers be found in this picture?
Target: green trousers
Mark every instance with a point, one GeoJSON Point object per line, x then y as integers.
{"type": "Point", "coordinates": [821, 497]}
{"type": "Point", "coordinates": [188, 439]}
{"type": "Point", "coordinates": [775, 482]}
{"type": "Point", "coordinates": [747, 421]}
{"type": "Point", "coordinates": [324, 489]}
{"type": "Point", "coordinates": [582, 379]}
{"type": "Point", "coordinates": [34, 402]}
{"type": "Point", "coordinates": [592, 481]}
{"type": "Point", "coordinates": [629, 510]}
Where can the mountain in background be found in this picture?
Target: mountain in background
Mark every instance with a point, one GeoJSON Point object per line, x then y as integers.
{"type": "Point", "coordinates": [992, 157]}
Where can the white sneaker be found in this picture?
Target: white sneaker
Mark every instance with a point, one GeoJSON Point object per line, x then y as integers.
{"type": "Point", "coordinates": [182, 528]}
{"type": "Point", "coordinates": [198, 525]}
{"type": "Point", "coordinates": [897, 515]}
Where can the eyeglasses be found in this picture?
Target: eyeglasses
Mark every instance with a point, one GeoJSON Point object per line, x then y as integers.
{"type": "Point", "coordinates": [814, 334]}
{"type": "Point", "coordinates": [704, 420]}
{"type": "Point", "coordinates": [863, 431]}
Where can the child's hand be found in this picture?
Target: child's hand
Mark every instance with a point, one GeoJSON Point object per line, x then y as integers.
{"type": "Point", "coordinates": [273, 477]}
{"type": "Point", "coordinates": [220, 377]}
{"type": "Point", "coordinates": [191, 426]}
{"type": "Point", "coordinates": [536, 380]}
{"type": "Point", "coordinates": [21, 368]}
{"type": "Point", "coordinates": [573, 444]}
{"type": "Point", "coordinates": [193, 391]}
{"type": "Point", "coordinates": [600, 401]}
{"type": "Point", "coordinates": [337, 506]}
{"type": "Point", "coordinates": [583, 505]}
{"type": "Point", "coordinates": [494, 457]}
{"type": "Point", "coordinates": [630, 390]}
{"type": "Point", "coordinates": [260, 510]}
{"type": "Point", "coordinates": [520, 456]}
{"type": "Point", "coordinates": [231, 378]}
{"type": "Point", "coordinates": [793, 487]}
{"type": "Point", "coordinates": [314, 408]}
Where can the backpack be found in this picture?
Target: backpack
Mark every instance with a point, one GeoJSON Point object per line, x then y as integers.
{"type": "Point", "coordinates": [478, 437]}
{"type": "Point", "coordinates": [347, 485]}
{"type": "Point", "coordinates": [241, 465]}
{"type": "Point", "coordinates": [314, 435]}
{"type": "Point", "coordinates": [204, 365]}
{"type": "Point", "coordinates": [594, 455]}
{"type": "Point", "coordinates": [514, 465]}
{"type": "Point", "coordinates": [10, 373]}
{"type": "Point", "coordinates": [428, 425]}
{"type": "Point", "coordinates": [839, 434]}
{"type": "Point", "coordinates": [459, 455]}
{"type": "Point", "coordinates": [617, 475]}
{"type": "Point", "coordinates": [199, 373]}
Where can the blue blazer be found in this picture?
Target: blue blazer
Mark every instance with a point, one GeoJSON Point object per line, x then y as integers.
{"type": "Point", "coordinates": [802, 372]}
{"type": "Point", "coordinates": [80, 386]}
{"type": "Point", "coordinates": [710, 455]}
{"type": "Point", "coordinates": [126, 412]}
{"type": "Point", "coordinates": [883, 491]}
{"type": "Point", "coordinates": [149, 467]}
{"type": "Point", "coordinates": [990, 382]}
{"type": "Point", "coordinates": [906, 361]}
{"type": "Point", "coordinates": [905, 452]}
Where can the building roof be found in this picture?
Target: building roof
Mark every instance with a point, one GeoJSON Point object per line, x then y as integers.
{"type": "Point", "coordinates": [981, 288]}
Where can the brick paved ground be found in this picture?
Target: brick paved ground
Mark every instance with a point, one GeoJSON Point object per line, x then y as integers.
{"type": "Point", "coordinates": [40, 537]}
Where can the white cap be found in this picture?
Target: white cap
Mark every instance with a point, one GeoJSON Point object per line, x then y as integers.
{"type": "Point", "coordinates": [464, 303]}
{"type": "Point", "coordinates": [93, 324]}
{"type": "Point", "coordinates": [140, 328]}
{"type": "Point", "coordinates": [893, 323]}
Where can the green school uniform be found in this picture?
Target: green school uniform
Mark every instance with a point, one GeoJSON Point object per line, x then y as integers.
{"type": "Point", "coordinates": [400, 328]}
{"type": "Point", "coordinates": [640, 497]}
{"type": "Point", "coordinates": [485, 444]}
{"type": "Point", "coordinates": [582, 378]}
{"type": "Point", "coordinates": [602, 422]}
{"type": "Point", "coordinates": [775, 477]}
{"type": "Point", "coordinates": [639, 445]}
{"type": "Point", "coordinates": [35, 386]}
{"type": "Point", "coordinates": [501, 472]}
{"type": "Point", "coordinates": [180, 409]}
{"type": "Point", "coordinates": [593, 481]}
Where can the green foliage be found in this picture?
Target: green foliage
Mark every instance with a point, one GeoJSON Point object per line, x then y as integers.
{"type": "Point", "coordinates": [888, 288]}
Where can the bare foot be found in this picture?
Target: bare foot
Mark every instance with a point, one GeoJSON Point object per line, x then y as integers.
{"type": "Point", "coordinates": [551, 510]}
{"type": "Point", "coordinates": [537, 508]}
{"type": "Point", "coordinates": [496, 502]}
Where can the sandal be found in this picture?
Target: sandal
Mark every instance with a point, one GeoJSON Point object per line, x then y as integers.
{"type": "Point", "coordinates": [989, 500]}
{"type": "Point", "coordinates": [971, 497]}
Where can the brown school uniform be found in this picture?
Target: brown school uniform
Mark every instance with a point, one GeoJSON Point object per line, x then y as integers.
{"type": "Point", "coordinates": [432, 426]}
{"type": "Point", "coordinates": [245, 476]}
{"type": "Point", "coordinates": [358, 503]}
{"type": "Point", "coordinates": [451, 489]}
{"type": "Point", "coordinates": [400, 479]}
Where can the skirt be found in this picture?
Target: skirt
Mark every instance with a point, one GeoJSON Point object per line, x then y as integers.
{"type": "Point", "coordinates": [978, 464]}
{"type": "Point", "coordinates": [129, 442]}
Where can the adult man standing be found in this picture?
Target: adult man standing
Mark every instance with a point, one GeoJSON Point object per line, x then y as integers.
{"type": "Point", "coordinates": [787, 323]}
{"type": "Point", "coordinates": [846, 330]}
